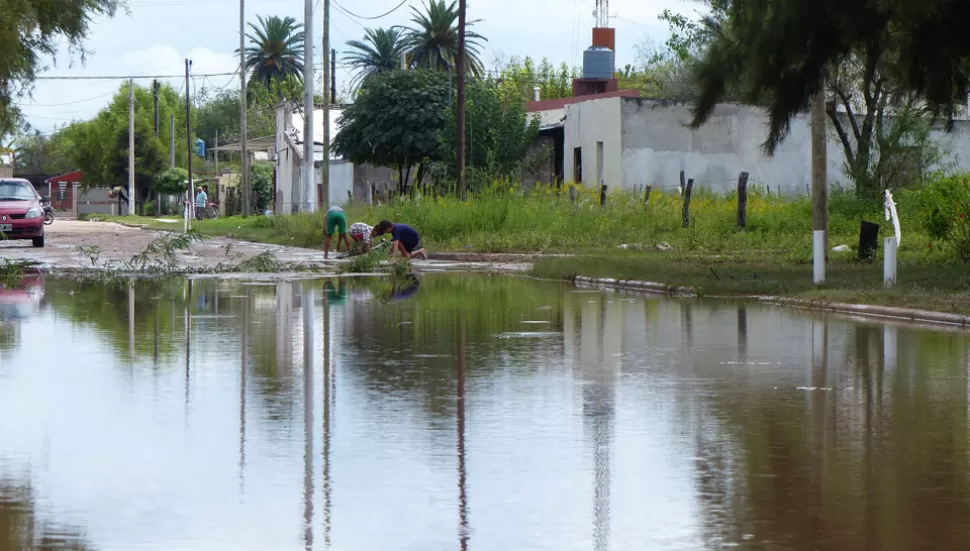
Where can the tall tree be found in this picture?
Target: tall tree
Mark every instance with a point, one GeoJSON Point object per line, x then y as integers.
{"type": "Point", "coordinates": [275, 50]}
{"type": "Point", "coordinates": [498, 131]}
{"type": "Point", "coordinates": [32, 29]}
{"type": "Point", "coordinates": [433, 42]}
{"type": "Point", "coordinates": [785, 48]}
{"type": "Point", "coordinates": [395, 121]}
{"type": "Point", "coordinates": [380, 51]}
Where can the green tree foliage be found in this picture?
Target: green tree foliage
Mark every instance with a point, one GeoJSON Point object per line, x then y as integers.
{"type": "Point", "coordinates": [38, 153]}
{"type": "Point", "coordinates": [784, 49]}
{"type": "Point", "coordinates": [433, 41]}
{"type": "Point", "coordinates": [498, 130]}
{"type": "Point", "coordinates": [171, 181]}
{"type": "Point", "coordinates": [219, 111]}
{"type": "Point", "coordinates": [380, 51]}
{"type": "Point", "coordinates": [262, 184]}
{"type": "Point", "coordinates": [150, 158]}
{"type": "Point", "coordinates": [275, 50]}
{"type": "Point", "coordinates": [524, 75]}
{"type": "Point", "coordinates": [31, 30]}
{"type": "Point", "coordinates": [395, 121]}
{"type": "Point", "coordinates": [100, 145]}
{"type": "Point", "coordinates": [879, 125]}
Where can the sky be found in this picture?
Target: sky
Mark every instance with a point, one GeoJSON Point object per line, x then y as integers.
{"type": "Point", "coordinates": [155, 37]}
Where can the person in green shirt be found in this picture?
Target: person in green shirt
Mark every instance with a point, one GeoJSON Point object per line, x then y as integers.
{"type": "Point", "coordinates": [336, 221]}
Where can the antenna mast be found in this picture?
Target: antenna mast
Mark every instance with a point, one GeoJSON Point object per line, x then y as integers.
{"type": "Point", "coordinates": [602, 13]}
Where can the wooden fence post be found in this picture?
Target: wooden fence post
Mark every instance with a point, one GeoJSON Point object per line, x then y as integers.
{"type": "Point", "coordinates": [572, 194]}
{"type": "Point", "coordinates": [742, 199]}
{"type": "Point", "coordinates": [686, 212]}
{"type": "Point", "coordinates": [646, 196]}
{"type": "Point", "coordinates": [682, 185]}
{"type": "Point", "coordinates": [603, 195]}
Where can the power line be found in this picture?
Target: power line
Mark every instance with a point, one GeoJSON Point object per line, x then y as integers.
{"type": "Point", "coordinates": [68, 103]}
{"type": "Point", "coordinates": [385, 14]}
{"type": "Point", "coordinates": [119, 77]}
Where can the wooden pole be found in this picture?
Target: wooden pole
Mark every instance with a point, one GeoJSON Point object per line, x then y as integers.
{"type": "Point", "coordinates": [328, 98]}
{"type": "Point", "coordinates": [603, 195]}
{"type": "Point", "coordinates": [742, 200]}
{"type": "Point", "coordinates": [188, 147]}
{"type": "Point", "coordinates": [682, 184]}
{"type": "Point", "coordinates": [243, 104]}
{"type": "Point", "coordinates": [131, 145]}
{"type": "Point", "coordinates": [646, 196]}
{"type": "Point", "coordinates": [460, 69]}
{"type": "Point", "coordinates": [686, 211]}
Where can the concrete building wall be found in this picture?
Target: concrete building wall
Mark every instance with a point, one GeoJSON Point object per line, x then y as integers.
{"type": "Point", "coordinates": [96, 201]}
{"type": "Point", "coordinates": [657, 144]}
{"type": "Point", "coordinates": [595, 127]}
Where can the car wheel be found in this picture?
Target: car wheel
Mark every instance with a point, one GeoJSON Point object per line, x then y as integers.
{"type": "Point", "coordinates": [38, 241]}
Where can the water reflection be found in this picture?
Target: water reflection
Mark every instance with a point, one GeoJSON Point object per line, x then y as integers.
{"type": "Point", "coordinates": [24, 528]}
{"type": "Point", "coordinates": [517, 414]}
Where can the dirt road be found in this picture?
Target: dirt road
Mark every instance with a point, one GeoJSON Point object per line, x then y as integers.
{"type": "Point", "coordinates": [116, 243]}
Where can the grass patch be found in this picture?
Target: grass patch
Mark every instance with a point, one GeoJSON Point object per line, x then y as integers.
{"type": "Point", "coordinates": [940, 287]}
{"type": "Point", "coordinates": [509, 221]}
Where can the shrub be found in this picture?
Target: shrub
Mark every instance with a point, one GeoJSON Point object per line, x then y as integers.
{"type": "Point", "coordinates": [943, 208]}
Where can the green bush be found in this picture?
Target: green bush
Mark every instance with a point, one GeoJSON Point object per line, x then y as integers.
{"type": "Point", "coordinates": [944, 204]}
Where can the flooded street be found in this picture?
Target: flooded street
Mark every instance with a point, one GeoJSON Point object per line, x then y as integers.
{"type": "Point", "coordinates": [469, 412]}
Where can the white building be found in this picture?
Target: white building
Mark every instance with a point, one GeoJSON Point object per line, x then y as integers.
{"type": "Point", "coordinates": [289, 160]}
{"type": "Point", "coordinates": [627, 142]}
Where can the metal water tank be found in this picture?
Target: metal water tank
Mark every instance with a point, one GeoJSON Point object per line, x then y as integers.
{"type": "Point", "coordinates": [598, 62]}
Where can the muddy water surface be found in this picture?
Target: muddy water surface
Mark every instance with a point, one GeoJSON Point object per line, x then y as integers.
{"type": "Point", "coordinates": [468, 412]}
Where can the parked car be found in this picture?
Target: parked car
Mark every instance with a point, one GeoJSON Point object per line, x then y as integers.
{"type": "Point", "coordinates": [21, 211]}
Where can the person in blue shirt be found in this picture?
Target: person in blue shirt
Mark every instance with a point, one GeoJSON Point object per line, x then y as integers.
{"type": "Point", "coordinates": [404, 239]}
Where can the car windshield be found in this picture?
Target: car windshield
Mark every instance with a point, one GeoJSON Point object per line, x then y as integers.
{"type": "Point", "coordinates": [16, 191]}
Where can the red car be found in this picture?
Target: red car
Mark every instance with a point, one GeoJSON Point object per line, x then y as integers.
{"type": "Point", "coordinates": [21, 212]}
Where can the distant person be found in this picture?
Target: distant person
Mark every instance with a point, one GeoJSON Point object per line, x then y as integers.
{"type": "Point", "coordinates": [336, 221]}
{"type": "Point", "coordinates": [200, 198]}
{"type": "Point", "coordinates": [404, 239]}
{"type": "Point", "coordinates": [360, 232]}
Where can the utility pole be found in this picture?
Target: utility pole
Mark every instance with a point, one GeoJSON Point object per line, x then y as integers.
{"type": "Point", "coordinates": [328, 74]}
{"type": "Point", "coordinates": [155, 102]}
{"type": "Point", "coordinates": [460, 68]}
{"type": "Point", "coordinates": [308, 180]}
{"type": "Point", "coordinates": [215, 151]}
{"type": "Point", "coordinates": [243, 149]}
{"type": "Point", "coordinates": [171, 141]}
{"type": "Point", "coordinates": [131, 146]}
{"type": "Point", "coordinates": [155, 86]}
{"type": "Point", "coordinates": [188, 142]}
{"type": "Point", "coordinates": [333, 75]}
{"type": "Point", "coordinates": [820, 218]}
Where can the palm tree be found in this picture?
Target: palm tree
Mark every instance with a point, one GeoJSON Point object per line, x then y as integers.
{"type": "Point", "coordinates": [433, 43]}
{"type": "Point", "coordinates": [380, 51]}
{"type": "Point", "coordinates": [275, 50]}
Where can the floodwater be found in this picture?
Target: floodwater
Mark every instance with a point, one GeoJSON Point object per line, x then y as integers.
{"type": "Point", "coordinates": [469, 412]}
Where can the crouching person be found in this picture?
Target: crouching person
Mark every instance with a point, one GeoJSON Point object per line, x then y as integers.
{"type": "Point", "coordinates": [404, 239]}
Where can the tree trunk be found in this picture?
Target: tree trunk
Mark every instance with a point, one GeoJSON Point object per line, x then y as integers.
{"type": "Point", "coordinates": [819, 160]}
{"type": "Point", "coordinates": [400, 179]}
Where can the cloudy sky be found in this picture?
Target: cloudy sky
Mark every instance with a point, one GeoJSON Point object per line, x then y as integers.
{"type": "Point", "coordinates": [156, 36]}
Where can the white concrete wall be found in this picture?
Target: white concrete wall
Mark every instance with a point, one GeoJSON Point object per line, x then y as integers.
{"type": "Point", "coordinates": [341, 181]}
{"type": "Point", "coordinates": [658, 144]}
{"type": "Point", "coordinates": [586, 124]}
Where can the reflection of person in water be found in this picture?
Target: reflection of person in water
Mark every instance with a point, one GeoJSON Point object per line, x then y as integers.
{"type": "Point", "coordinates": [336, 293]}
{"type": "Point", "coordinates": [406, 290]}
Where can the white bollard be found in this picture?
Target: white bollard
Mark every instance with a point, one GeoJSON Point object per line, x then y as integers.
{"type": "Point", "coordinates": [889, 262]}
{"type": "Point", "coordinates": [818, 256]}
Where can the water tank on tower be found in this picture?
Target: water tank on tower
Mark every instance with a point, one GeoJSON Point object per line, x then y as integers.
{"type": "Point", "coordinates": [597, 63]}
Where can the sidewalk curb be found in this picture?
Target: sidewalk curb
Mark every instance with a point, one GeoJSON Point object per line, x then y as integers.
{"type": "Point", "coordinates": [885, 312]}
